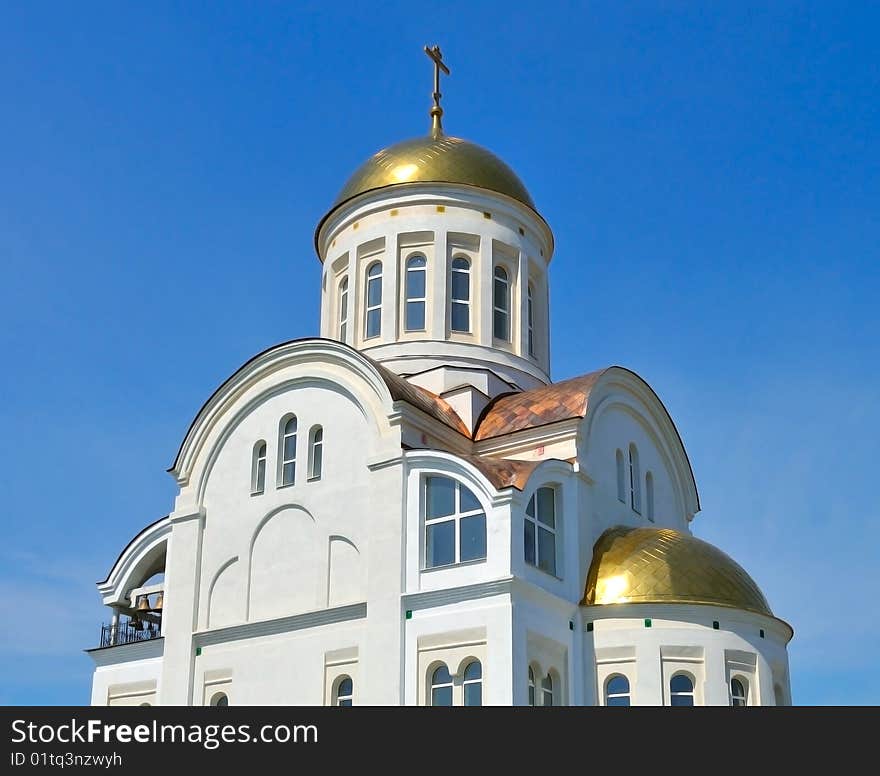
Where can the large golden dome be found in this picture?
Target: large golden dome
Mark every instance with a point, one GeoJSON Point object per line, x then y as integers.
{"type": "Point", "coordinates": [435, 158]}
{"type": "Point", "coordinates": [660, 566]}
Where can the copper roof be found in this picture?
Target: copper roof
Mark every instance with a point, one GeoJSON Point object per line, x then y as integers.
{"type": "Point", "coordinates": [548, 404]}
{"type": "Point", "coordinates": [503, 472]}
{"type": "Point", "coordinates": [427, 402]}
{"type": "Point", "coordinates": [660, 565]}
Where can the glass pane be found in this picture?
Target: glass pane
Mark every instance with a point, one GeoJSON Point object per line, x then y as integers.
{"type": "Point", "coordinates": [617, 685]}
{"type": "Point", "coordinates": [500, 272]}
{"type": "Point", "coordinates": [441, 696]}
{"type": "Point", "coordinates": [547, 683]}
{"type": "Point", "coordinates": [374, 323]}
{"type": "Point", "coordinates": [345, 702]}
{"type": "Point", "coordinates": [440, 497]}
{"type": "Point", "coordinates": [440, 544]}
{"type": "Point", "coordinates": [530, 507]}
{"type": "Point", "coordinates": [529, 542]}
{"type": "Point", "coordinates": [460, 317]}
{"type": "Point", "coordinates": [499, 298]}
{"type": "Point", "coordinates": [682, 700]}
{"type": "Point", "coordinates": [317, 460]}
{"type": "Point", "coordinates": [290, 426]}
{"type": "Point", "coordinates": [546, 551]}
{"type": "Point", "coordinates": [620, 700]}
{"type": "Point", "coordinates": [343, 307]}
{"type": "Point", "coordinates": [261, 475]}
{"type": "Point", "coordinates": [739, 702]}
{"type": "Point", "coordinates": [288, 473]}
{"type": "Point", "coordinates": [441, 676]}
{"type": "Point", "coordinates": [290, 447]}
{"type": "Point", "coordinates": [547, 506]}
{"type": "Point", "coordinates": [474, 670]}
{"type": "Point", "coordinates": [468, 500]}
{"type": "Point", "coordinates": [736, 688]}
{"type": "Point", "coordinates": [374, 292]}
{"type": "Point", "coordinates": [548, 698]}
{"type": "Point", "coordinates": [415, 284]}
{"type": "Point", "coordinates": [375, 269]}
{"type": "Point", "coordinates": [417, 261]}
{"type": "Point", "coordinates": [531, 695]}
{"type": "Point", "coordinates": [461, 286]}
{"type": "Point", "coordinates": [473, 537]}
{"type": "Point", "coordinates": [460, 263]}
{"type": "Point", "coordinates": [318, 435]}
{"type": "Point", "coordinates": [415, 316]}
{"type": "Point", "coordinates": [345, 687]}
{"type": "Point", "coordinates": [473, 694]}
{"type": "Point", "coordinates": [500, 326]}
{"type": "Point", "coordinates": [681, 683]}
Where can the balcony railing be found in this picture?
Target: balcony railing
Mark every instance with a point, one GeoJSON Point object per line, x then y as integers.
{"type": "Point", "coordinates": [128, 633]}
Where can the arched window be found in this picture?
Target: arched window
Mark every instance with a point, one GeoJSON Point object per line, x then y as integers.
{"type": "Point", "coordinates": [258, 468]}
{"type": "Point", "coordinates": [649, 495]}
{"type": "Point", "coordinates": [473, 684]}
{"type": "Point", "coordinates": [539, 541]}
{"type": "Point", "coordinates": [635, 488]}
{"type": "Point", "coordinates": [460, 296]}
{"type": "Point", "coordinates": [617, 691]}
{"type": "Point", "coordinates": [501, 305]}
{"type": "Point", "coordinates": [441, 687]}
{"type": "Point", "coordinates": [681, 690]}
{"type": "Point", "coordinates": [621, 478]}
{"type": "Point", "coordinates": [547, 690]}
{"type": "Point", "coordinates": [343, 309]}
{"type": "Point", "coordinates": [373, 320]}
{"type": "Point", "coordinates": [287, 455]}
{"type": "Point", "coordinates": [531, 321]}
{"type": "Point", "coordinates": [344, 692]}
{"type": "Point", "coordinates": [531, 686]}
{"type": "Point", "coordinates": [220, 699]}
{"type": "Point", "coordinates": [738, 692]}
{"type": "Point", "coordinates": [316, 452]}
{"type": "Point", "coordinates": [455, 523]}
{"type": "Point", "coordinates": [416, 270]}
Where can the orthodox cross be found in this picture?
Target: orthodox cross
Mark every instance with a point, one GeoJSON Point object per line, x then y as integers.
{"type": "Point", "coordinates": [436, 110]}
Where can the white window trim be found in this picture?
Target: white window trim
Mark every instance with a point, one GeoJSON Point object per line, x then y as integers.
{"type": "Point", "coordinates": [423, 300]}
{"type": "Point", "coordinates": [456, 517]}
{"type": "Point", "coordinates": [465, 302]}
{"type": "Point", "coordinates": [507, 312]}
{"type": "Point", "coordinates": [315, 444]}
{"type": "Point", "coordinates": [530, 316]}
{"type": "Point", "coordinates": [337, 683]}
{"type": "Point", "coordinates": [635, 483]}
{"type": "Point", "coordinates": [541, 525]}
{"type": "Point", "coordinates": [282, 461]}
{"type": "Point", "coordinates": [342, 323]}
{"type": "Point", "coordinates": [370, 308]}
{"type": "Point", "coordinates": [745, 685]}
{"type": "Point", "coordinates": [693, 692]}
{"type": "Point", "coordinates": [257, 488]}
{"type": "Point", "coordinates": [607, 695]}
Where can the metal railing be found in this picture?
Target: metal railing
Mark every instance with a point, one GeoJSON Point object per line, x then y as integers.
{"type": "Point", "coordinates": [128, 633]}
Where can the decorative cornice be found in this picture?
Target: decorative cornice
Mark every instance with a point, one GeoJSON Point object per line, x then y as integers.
{"type": "Point", "coordinates": [452, 595]}
{"type": "Point", "coordinates": [127, 653]}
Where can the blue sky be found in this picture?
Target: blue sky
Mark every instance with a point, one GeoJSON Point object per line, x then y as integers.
{"type": "Point", "coordinates": [711, 172]}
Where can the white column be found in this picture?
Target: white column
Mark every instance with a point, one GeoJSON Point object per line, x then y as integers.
{"type": "Point", "coordinates": [483, 302]}
{"type": "Point", "coordinates": [715, 687]}
{"type": "Point", "coordinates": [520, 308]}
{"type": "Point", "coordinates": [438, 302]}
{"type": "Point", "coordinates": [391, 281]}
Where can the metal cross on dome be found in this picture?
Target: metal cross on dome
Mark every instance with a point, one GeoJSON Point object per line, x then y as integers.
{"type": "Point", "coordinates": [436, 111]}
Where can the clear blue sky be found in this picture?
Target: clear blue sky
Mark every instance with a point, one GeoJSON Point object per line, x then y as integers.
{"type": "Point", "coordinates": [711, 172]}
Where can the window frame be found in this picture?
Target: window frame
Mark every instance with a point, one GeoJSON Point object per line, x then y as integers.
{"type": "Point", "coordinates": [283, 461]}
{"type": "Point", "coordinates": [258, 472]}
{"type": "Point", "coordinates": [342, 316]}
{"type": "Point", "coordinates": [538, 525]}
{"type": "Point", "coordinates": [338, 698]}
{"type": "Point", "coordinates": [635, 482]}
{"type": "Point", "coordinates": [453, 301]}
{"type": "Point", "coordinates": [649, 495]}
{"type": "Point", "coordinates": [744, 684]}
{"type": "Point", "coordinates": [547, 689]}
{"type": "Point", "coordinates": [692, 693]}
{"type": "Point", "coordinates": [620, 463]}
{"type": "Point", "coordinates": [315, 445]}
{"type": "Point", "coordinates": [505, 311]}
{"type": "Point", "coordinates": [432, 685]}
{"type": "Point", "coordinates": [530, 318]}
{"type": "Point", "coordinates": [532, 687]}
{"type": "Point", "coordinates": [456, 517]}
{"type": "Point", "coordinates": [422, 300]}
{"type": "Point", "coordinates": [465, 682]}
{"type": "Point", "coordinates": [377, 308]}
{"type": "Point", "coordinates": [628, 694]}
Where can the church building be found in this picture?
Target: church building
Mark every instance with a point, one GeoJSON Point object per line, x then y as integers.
{"type": "Point", "coordinates": [407, 510]}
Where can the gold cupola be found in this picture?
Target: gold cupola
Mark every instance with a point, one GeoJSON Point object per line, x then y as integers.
{"type": "Point", "coordinates": [662, 566]}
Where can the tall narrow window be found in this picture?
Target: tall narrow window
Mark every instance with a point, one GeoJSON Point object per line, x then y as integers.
{"type": "Point", "coordinates": [373, 321]}
{"type": "Point", "coordinates": [220, 699]}
{"type": "Point", "coordinates": [531, 686]}
{"type": "Point", "coordinates": [531, 321]}
{"type": "Point", "coordinates": [455, 523]}
{"type": "Point", "coordinates": [681, 690]}
{"type": "Point", "coordinates": [617, 691]}
{"type": "Point", "coordinates": [288, 451]}
{"type": "Point", "coordinates": [473, 684]}
{"type": "Point", "coordinates": [540, 530]}
{"type": "Point", "coordinates": [501, 305]}
{"type": "Point", "coordinates": [460, 297]}
{"type": "Point", "coordinates": [441, 687]}
{"type": "Point", "coordinates": [344, 692]}
{"type": "Point", "coordinates": [621, 478]}
{"type": "Point", "coordinates": [343, 309]}
{"type": "Point", "coordinates": [316, 452]}
{"type": "Point", "coordinates": [416, 269]}
{"type": "Point", "coordinates": [649, 495]}
{"type": "Point", "coordinates": [635, 489]}
{"type": "Point", "coordinates": [738, 692]}
{"type": "Point", "coordinates": [258, 468]}
{"type": "Point", "coordinates": [547, 690]}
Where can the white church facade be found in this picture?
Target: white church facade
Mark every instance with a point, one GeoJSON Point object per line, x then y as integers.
{"type": "Point", "coordinates": [406, 510]}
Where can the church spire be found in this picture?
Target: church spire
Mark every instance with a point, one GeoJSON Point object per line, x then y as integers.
{"type": "Point", "coordinates": [436, 111]}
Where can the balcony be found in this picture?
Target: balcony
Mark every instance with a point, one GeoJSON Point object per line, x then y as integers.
{"type": "Point", "coordinates": [129, 632]}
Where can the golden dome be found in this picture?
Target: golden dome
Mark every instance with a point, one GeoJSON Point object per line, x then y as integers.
{"type": "Point", "coordinates": [436, 158]}
{"type": "Point", "coordinates": [662, 566]}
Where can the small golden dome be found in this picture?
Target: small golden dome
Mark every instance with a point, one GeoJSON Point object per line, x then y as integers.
{"type": "Point", "coordinates": [435, 159]}
{"type": "Point", "coordinates": [661, 566]}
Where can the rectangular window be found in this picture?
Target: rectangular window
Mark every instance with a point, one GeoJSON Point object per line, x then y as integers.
{"type": "Point", "coordinates": [539, 526]}
{"type": "Point", "coordinates": [455, 524]}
